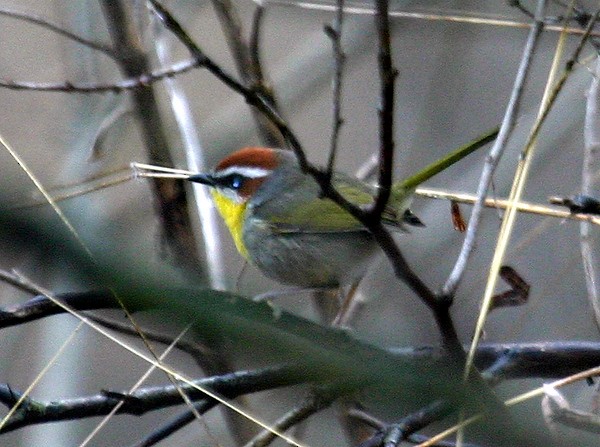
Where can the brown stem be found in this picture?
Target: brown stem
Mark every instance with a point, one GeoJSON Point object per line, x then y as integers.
{"type": "Point", "coordinates": [170, 196]}
{"type": "Point", "coordinates": [387, 75]}
{"type": "Point", "coordinates": [248, 65]}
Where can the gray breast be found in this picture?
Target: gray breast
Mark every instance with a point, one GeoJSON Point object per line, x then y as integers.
{"type": "Point", "coordinates": [309, 259]}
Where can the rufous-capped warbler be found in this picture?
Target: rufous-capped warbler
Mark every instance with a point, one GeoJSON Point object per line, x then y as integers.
{"type": "Point", "coordinates": [282, 225]}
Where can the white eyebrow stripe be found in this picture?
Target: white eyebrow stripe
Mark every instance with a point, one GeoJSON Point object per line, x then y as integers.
{"type": "Point", "coordinates": [246, 171]}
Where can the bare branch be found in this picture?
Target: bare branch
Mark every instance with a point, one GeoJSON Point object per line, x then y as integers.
{"type": "Point", "coordinates": [520, 360]}
{"type": "Point", "coordinates": [41, 307]}
{"type": "Point", "coordinates": [527, 359]}
{"type": "Point", "coordinates": [493, 158]}
{"type": "Point", "coordinates": [251, 96]}
{"type": "Point", "coordinates": [400, 431]}
{"type": "Point", "coordinates": [387, 76]}
{"type": "Point", "coordinates": [175, 424]}
{"type": "Point", "coordinates": [45, 23]}
{"type": "Point", "coordinates": [436, 16]}
{"type": "Point", "coordinates": [247, 61]}
{"type": "Point", "coordinates": [556, 409]}
{"type": "Point", "coordinates": [196, 350]}
{"type": "Point", "coordinates": [569, 66]}
{"type": "Point", "coordinates": [170, 196]}
{"type": "Point", "coordinates": [334, 32]}
{"type": "Point", "coordinates": [319, 399]}
{"type": "Point", "coordinates": [255, 34]}
{"type": "Point", "coordinates": [144, 399]}
{"type": "Point", "coordinates": [209, 252]}
{"type": "Point", "coordinates": [141, 81]}
{"type": "Point", "coordinates": [388, 434]}
{"type": "Point", "coordinates": [524, 207]}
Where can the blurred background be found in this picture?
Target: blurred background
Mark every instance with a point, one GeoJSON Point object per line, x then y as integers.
{"type": "Point", "coordinates": [455, 78]}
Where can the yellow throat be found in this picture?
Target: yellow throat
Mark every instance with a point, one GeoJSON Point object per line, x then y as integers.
{"type": "Point", "coordinates": [233, 213]}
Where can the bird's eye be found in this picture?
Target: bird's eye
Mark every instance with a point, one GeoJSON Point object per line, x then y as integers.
{"type": "Point", "coordinates": [234, 181]}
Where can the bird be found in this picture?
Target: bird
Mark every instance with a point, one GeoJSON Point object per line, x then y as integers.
{"type": "Point", "coordinates": [281, 223]}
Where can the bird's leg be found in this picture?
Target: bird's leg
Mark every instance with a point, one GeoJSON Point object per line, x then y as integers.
{"type": "Point", "coordinates": [326, 304]}
{"type": "Point", "coordinates": [349, 305]}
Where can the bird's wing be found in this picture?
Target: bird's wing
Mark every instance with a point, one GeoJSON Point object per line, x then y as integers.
{"type": "Point", "coordinates": [320, 215]}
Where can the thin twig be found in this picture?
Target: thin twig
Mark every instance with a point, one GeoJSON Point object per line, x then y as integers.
{"type": "Point", "coordinates": [245, 56]}
{"type": "Point", "coordinates": [540, 391]}
{"type": "Point", "coordinates": [145, 399]}
{"type": "Point", "coordinates": [175, 424]}
{"type": "Point", "coordinates": [140, 81]}
{"type": "Point", "coordinates": [397, 432]}
{"type": "Point", "coordinates": [551, 92]}
{"type": "Point", "coordinates": [45, 23]}
{"type": "Point", "coordinates": [419, 439]}
{"type": "Point", "coordinates": [170, 196]}
{"type": "Point", "coordinates": [255, 35]}
{"type": "Point", "coordinates": [251, 96]}
{"type": "Point", "coordinates": [556, 409]}
{"type": "Point", "coordinates": [318, 400]}
{"type": "Point", "coordinates": [517, 4]}
{"type": "Point", "coordinates": [493, 159]}
{"type": "Point", "coordinates": [372, 217]}
{"type": "Point", "coordinates": [232, 28]}
{"type": "Point", "coordinates": [196, 350]}
{"type": "Point", "coordinates": [83, 188]}
{"type": "Point", "coordinates": [384, 430]}
{"type": "Point", "coordinates": [121, 400]}
{"type": "Point", "coordinates": [569, 66]}
{"type": "Point", "coordinates": [525, 207]}
{"type": "Point", "coordinates": [366, 418]}
{"type": "Point", "coordinates": [431, 16]}
{"type": "Point", "coordinates": [101, 132]}
{"type": "Point", "coordinates": [387, 77]}
{"type": "Point", "coordinates": [579, 15]}
{"type": "Point", "coordinates": [210, 251]}
{"type": "Point", "coordinates": [334, 32]}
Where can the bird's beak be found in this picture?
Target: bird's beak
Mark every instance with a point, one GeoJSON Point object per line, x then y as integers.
{"type": "Point", "coordinates": [205, 179]}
